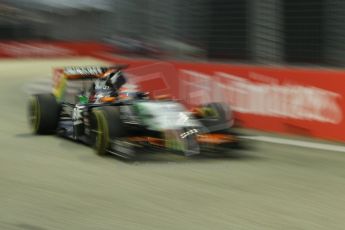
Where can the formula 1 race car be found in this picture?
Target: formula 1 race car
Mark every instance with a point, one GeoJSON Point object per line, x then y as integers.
{"type": "Point", "coordinates": [130, 122]}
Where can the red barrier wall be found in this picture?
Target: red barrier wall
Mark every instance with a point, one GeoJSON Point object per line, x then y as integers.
{"type": "Point", "coordinates": [289, 100]}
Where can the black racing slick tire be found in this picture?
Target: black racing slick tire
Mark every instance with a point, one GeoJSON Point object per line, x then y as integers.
{"type": "Point", "coordinates": [106, 126]}
{"type": "Point", "coordinates": [44, 113]}
{"type": "Point", "coordinates": [217, 117]}
{"type": "Point", "coordinates": [222, 111]}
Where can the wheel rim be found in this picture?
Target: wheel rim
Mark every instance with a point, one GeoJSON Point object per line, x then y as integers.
{"type": "Point", "coordinates": [34, 114]}
{"type": "Point", "coordinates": [98, 134]}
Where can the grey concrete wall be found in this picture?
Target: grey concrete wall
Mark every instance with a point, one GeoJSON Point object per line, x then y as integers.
{"type": "Point", "coordinates": [335, 32]}
{"type": "Point", "coordinates": [266, 30]}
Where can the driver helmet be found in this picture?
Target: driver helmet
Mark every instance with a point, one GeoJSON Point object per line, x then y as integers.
{"type": "Point", "coordinates": [108, 74]}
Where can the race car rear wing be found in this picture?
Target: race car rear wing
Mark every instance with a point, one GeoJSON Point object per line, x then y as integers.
{"type": "Point", "coordinates": [88, 72]}
{"type": "Point", "coordinates": [62, 75]}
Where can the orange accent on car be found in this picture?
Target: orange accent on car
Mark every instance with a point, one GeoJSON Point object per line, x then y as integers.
{"type": "Point", "coordinates": [151, 140]}
{"type": "Point", "coordinates": [106, 73]}
{"type": "Point", "coordinates": [156, 141]}
{"type": "Point", "coordinates": [163, 97]}
{"type": "Point", "coordinates": [137, 139]}
{"type": "Point", "coordinates": [107, 99]}
{"type": "Point", "coordinates": [197, 112]}
{"type": "Point", "coordinates": [216, 138]}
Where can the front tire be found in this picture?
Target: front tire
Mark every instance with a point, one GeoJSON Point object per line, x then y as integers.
{"type": "Point", "coordinates": [217, 117]}
{"type": "Point", "coordinates": [106, 126]}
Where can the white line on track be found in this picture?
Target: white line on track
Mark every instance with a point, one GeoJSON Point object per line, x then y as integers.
{"type": "Point", "coordinates": [303, 144]}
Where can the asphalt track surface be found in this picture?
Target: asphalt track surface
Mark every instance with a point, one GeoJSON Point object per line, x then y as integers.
{"type": "Point", "coordinates": [51, 183]}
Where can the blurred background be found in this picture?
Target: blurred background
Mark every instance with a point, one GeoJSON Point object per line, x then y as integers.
{"type": "Point", "coordinates": [297, 32]}
{"type": "Point", "coordinates": [278, 182]}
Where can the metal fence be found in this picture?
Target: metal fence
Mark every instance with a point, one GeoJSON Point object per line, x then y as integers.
{"type": "Point", "coordinates": [304, 32]}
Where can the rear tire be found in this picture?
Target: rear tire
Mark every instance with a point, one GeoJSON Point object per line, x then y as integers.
{"type": "Point", "coordinates": [44, 113]}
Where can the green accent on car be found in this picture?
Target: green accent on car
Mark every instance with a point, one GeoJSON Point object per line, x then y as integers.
{"type": "Point", "coordinates": [209, 112]}
{"type": "Point", "coordinates": [83, 99]}
{"type": "Point", "coordinates": [174, 144]}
